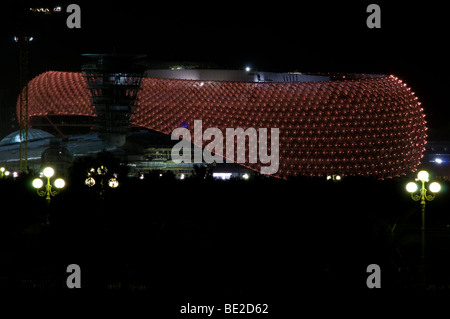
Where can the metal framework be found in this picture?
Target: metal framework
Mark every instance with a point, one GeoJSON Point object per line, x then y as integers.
{"type": "Point", "coordinates": [23, 43]}
{"type": "Point", "coordinates": [113, 81]}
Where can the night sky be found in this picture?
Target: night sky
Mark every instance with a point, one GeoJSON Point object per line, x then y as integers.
{"type": "Point", "coordinates": [268, 36]}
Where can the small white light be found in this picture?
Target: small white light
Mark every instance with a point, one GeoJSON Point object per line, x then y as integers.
{"type": "Point", "coordinates": [89, 181]}
{"type": "Point", "coordinates": [434, 187]}
{"type": "Point", "coordinates": [438, 160]}
{"type": "Point", "coordinates": [411, 187]}
{"type": "Point", "coordinates": [113, 183]}
{"type": "Point", "coordinates": [102, 170]}
{"type": "Point", "coordinates": [59, 183]}
{"type": "Point", "coordinates": [423, 176]}
{"type": "Point", "coordinates": [38, 183]}
{"type": "Point", "coordinates": [223, 176]}
{"type": "Point", "coordinates": [48, 172]}
{"type": "Point", "coordinates": [247, 69]}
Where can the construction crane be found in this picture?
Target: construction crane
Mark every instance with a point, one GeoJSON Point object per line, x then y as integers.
{"type": "Point", "coordinates": [23, 39]}
{"type": "Point", "coordinates": [23, 42]}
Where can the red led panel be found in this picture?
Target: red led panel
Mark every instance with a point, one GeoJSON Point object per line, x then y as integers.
{"type": "Point", "coordinates": [369, 126]}
{"type": "Point", "coordinates": [58, 93]}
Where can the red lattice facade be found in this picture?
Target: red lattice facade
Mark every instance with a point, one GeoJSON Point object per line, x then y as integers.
{"type": "Point", "coordinates": [363, 125]}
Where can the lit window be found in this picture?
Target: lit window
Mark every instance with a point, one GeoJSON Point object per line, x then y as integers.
{"type": "Point", "coordinates": [224, 176]}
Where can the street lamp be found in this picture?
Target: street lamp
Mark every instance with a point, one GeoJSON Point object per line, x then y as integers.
{"type": "Point", "coordinates": [412, 187]}
{"type": "Point", "coordinates": [3, 172]}
{"type": "Point", "coordinates": [434, 188]}
{"type": "Point", "coordinates": [48, 192]}
{"type": "Point", "coordinates": [100, 174]}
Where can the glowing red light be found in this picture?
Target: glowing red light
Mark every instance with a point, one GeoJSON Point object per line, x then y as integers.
{"type": "Point", "coordinates": [358, 126]}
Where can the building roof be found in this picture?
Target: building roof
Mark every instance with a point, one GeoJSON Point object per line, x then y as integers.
{"type": "Point", "coordinates": [33, 135]}
{"type": "Point", "coordinates": [233, 75]}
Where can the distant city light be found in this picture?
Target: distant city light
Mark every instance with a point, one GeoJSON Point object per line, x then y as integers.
{"type": "Point", "coordinates": [27, 39]}
{"type": "Point", "coordinates": [438, 160]}
{"type": "Point", "coordinates": [113, 183]}
{"type": "Point", "coordinates": [247, 69]}
{"type": "Point", "coordinates": [89, 181]}
{"type": "Point", "coordinates": [46, 10]}
{"type": "Point", "coordinates": [223, 176]}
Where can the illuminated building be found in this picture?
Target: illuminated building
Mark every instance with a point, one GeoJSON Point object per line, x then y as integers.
{"type": "Point", "coordinates": [363, 125]}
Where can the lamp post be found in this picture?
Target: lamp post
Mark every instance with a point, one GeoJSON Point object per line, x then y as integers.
{"type": "Point", "coordinates": [434, 188]}
{"type": "Point", "coordinates": [100, 174]}
{"type": "Point", "coordinates": [48, 192]}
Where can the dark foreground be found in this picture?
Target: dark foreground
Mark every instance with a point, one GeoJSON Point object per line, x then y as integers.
{"type": "Point", "coordinates": [287, 244]}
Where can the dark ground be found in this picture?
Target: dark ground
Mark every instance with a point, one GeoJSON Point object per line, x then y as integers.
{"type": "Point", "coordinates": [285, 243]}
